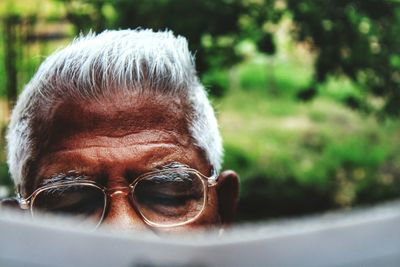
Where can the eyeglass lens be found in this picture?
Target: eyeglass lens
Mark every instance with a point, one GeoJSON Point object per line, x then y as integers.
{"type": "Point", "coordinates": [170, 198]}
{"type": "Point", "coordinates": [167, 198]}
{"type": "Point", "coordinates": [84, 202]}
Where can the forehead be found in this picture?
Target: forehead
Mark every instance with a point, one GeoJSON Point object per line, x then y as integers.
{"type": "Point", "coordinates": [136, 130]}
{"type": "Point", "coordinates": [119, 114]}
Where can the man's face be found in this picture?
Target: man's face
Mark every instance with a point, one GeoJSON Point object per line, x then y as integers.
{"type": "Point", "coordinates": [114, 141]}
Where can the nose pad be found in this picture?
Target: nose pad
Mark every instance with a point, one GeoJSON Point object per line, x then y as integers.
{"type": "Point", "coordinates": [118, 191]}
{"type": "Point", "coordinates": [121, 214]}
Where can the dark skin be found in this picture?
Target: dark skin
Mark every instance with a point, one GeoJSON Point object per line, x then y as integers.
{"type": "Point", "coordinates": [114, 141]}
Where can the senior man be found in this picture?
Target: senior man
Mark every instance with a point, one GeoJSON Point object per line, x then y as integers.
{"type": "Point", "coordinates": [117, 129]}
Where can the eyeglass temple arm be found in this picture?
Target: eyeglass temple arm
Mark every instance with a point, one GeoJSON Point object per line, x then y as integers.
{"type": "Point", "coordinates": [214, 176]}
{"type": "Point", "coordinates": [24, 203]}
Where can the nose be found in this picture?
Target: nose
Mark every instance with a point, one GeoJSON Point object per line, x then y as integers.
{"type": "Point", "coordinates": [121, 214]}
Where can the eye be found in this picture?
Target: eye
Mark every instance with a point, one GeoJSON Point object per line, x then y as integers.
{"type": "Point", "coordinates": [168, 204]}
{"type": "Point", "coordinates": [170, 197]}
{"type": "Point", "coordinates": [82, 201]}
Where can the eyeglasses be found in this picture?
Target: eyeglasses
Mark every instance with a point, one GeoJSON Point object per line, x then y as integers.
{"type": "Point", "coordinates": [163, 198]}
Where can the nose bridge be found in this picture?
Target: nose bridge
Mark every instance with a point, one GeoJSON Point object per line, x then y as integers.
{"type": "Point", "coordinates": [119, 190]}
{"type": "Point", "coordinates": [117, 184]}
{"type": "Point", "coordinates": [121, 212]}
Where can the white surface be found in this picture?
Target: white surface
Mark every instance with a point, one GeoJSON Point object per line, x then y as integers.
{"type": "Point", "coordinates": [4, 191]}
{"type": "Point", "coordinates": [369, 237]}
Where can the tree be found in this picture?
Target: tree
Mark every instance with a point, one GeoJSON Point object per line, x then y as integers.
{"type": "Point", "coordinates": [358, 39]}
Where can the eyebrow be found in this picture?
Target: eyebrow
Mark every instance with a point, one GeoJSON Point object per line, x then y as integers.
{"type": "Point", "coordinates": [64, 177]}
{"type": "Point", "coordinates": [73, 175]}
{"type": "Point", "coordinates": [172, 165]}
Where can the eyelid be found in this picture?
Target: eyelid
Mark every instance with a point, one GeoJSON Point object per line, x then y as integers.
{"type": "Point", "coordinates": [56, 188]}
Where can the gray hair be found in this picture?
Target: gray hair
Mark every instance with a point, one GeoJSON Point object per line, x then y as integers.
{"type": "Point", "coordinates": [93, 66]}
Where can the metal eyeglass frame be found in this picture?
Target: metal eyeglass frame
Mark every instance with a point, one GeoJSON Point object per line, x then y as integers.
{"type": "Point", "coordinates": [27, 203]}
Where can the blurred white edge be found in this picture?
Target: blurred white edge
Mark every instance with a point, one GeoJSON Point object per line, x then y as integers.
{"type": "Point", "coordinates": [362, 237]}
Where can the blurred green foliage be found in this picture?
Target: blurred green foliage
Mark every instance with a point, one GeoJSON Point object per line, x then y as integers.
{"type": "Point", "coordinates": [296, 158]}
{"type": "Point", "coordinates": [260, 60]}
{"type": "Point", "coordinates": [358, 39]}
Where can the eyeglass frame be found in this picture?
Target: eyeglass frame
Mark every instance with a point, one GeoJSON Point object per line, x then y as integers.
{"type": "Point", "coordinates": [207, 182]}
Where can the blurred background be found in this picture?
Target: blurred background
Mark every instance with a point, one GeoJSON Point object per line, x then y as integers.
{"type": "Point", "coordinates": [307, 91]}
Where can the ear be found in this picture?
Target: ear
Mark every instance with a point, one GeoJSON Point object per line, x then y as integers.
{"type": "Point", "coordinates": [228, 195]}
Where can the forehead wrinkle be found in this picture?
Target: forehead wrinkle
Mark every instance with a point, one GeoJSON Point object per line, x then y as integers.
{"type": "Point", "coordinates": [113, 153]}
{"type": "Point", "coordinates": [120, 117]}
{"type": "Point", "coordinates": [95, 159]}
{"type": "Point", "coordinates": [147, 137]}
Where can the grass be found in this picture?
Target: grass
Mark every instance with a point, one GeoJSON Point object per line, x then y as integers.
{"type": "Point", "coordinates": [271, 76]}
{"type": "Point", "coordinates": [301, 157]}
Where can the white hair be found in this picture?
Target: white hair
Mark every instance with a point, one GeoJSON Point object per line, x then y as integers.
{"type": "Point", "coordinates": [94, 66]}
